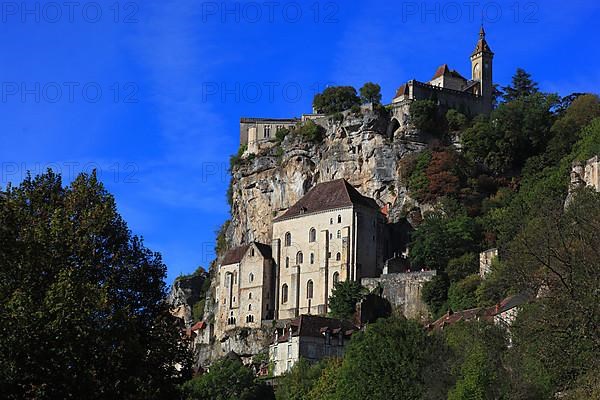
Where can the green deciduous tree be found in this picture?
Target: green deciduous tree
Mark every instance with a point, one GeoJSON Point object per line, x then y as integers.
{"type": "Point", "coordinates": [82, 310]}
{"type": "Point", "coordinates": [461, 294]}
{"type": "Point", "coordinates": [336, 99]}
{"type": "Point", "coordinates": [477, 351]}
{"type": "Point", "coordinates": [344, 297]}
{"type": "Point", "coordinates": [370, 93]}
{"type": "Point", "coordinates": [392, 359]}
{"type": "Point", "coordinates": [228, 379]}
{"type": "Point", "coordinates": [299, 381]}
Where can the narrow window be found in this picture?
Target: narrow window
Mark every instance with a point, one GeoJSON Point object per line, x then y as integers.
{"type": "Point", "coordinates": [249, 307]}
{"type": "Point", "coordinates": [339, 219]}
{"type": "Point", "coordinates": [299, 258]}
{"type": "Point", "coordinates": [267, 131]}
{"type": "Point", "coordinates": [252, 252]}
{"type": "Point", "coordinates": [250, 296]}
{"type": "Point", "coordinates": [251, 277]}
{"type": "Point", "coordinates": [336, 277]}
{"type": "Point", "coordinates": [284, 293]}
{"type": "Point", "coordinates": [288, 239]}
{"type": "Point", "coordinates": [338, 256]}
{"type": "Point", "coordinates": [312, 258]}
{"type": "Point", "coordinates": [339, 234]}
{"type": "Point", "coordinates": [312, 235]}
{"type": "Point", "coordinates": [309, 290]}
{"type": "Point", "coordinates": [287, 262]}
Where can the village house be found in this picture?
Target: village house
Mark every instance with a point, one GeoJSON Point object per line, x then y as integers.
{"type": "Point", "coordinates": [310, 337]}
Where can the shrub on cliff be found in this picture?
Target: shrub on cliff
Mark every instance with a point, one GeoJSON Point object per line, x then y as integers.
{"type": "Point", "coordinates": [82, 310]}
{"type": "Point", "coordinates": [370, 93]}
{"type": "Point", "coordinates": [335, 99]}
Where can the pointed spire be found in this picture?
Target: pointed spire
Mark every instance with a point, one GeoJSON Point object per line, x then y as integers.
{"type": "Point", "coordinates": [482, 32]}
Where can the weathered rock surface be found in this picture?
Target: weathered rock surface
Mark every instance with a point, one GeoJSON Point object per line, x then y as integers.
{"type": "Point", "coordinates": [185, 292]}
{"type": "Point", "coordinates": [358, 149]}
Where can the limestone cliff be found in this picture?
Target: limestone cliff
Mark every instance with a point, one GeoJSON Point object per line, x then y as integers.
{"type": "Point", "coordinates": [358, 149]}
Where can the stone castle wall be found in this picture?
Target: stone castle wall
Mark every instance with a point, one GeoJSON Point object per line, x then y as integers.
{"type": "Point", "coordinates": [403, 291]}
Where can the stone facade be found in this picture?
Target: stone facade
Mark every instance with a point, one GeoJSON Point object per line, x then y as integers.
{"type": "Point", "coordinates": [485, 261]}
{"type": "Point", "coordinates": [245, 292]}
{"type": "Point", "coordinates": [316, 248]}
{"type": "Point", "coordinates": [403, 291]}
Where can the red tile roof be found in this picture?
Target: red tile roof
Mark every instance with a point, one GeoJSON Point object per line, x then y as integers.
{"type": "Point", "coordinates": [198, 326]}
{"type": "Point", "coordinates": [445, 70]}
{"type": "Point", "coordinates": [328, 196]}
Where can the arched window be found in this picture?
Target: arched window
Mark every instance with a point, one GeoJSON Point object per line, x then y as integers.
{"type": "Point", "coordinates": [312, 235]}
{"type": "Point", "coordinates": [288, 239]}
{"type": "Point", "coordinates": [251, 277]}
{"type": "Point", "coordinates": [312, 258]}
{"type": "Point", "coordinates": [252, 252]}
{"type": "Point", "coordinates": [284, 293]}
{"type": "Point", "coordinates": [249, 307]}
{"type": "Point", "coordinates": [249, 319]}
{"type": "Point", "coordinates": [299, 258]}
{"type": "Point", "coordinates": [287, 262]}
{"type": "Point", "coordinates": [336, 277]}
{"type": "Point", "coordinates": [250, 296]}
{"type": "Point", "coordinates": [339, 219]}
{"type": "Point", "coordinates": [330, 221]}
{"type": "Point", "coordinates": [338, 256]}
{"type": "Point", "coordinates": [339, 234]}
{"type": "Point", "coordinates": [309, 289]}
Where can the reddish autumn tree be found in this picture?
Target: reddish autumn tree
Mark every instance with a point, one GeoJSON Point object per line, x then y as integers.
{"type": "Point", "coordinates": [444, 174]}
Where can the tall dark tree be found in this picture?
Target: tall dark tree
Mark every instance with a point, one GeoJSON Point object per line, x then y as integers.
{"type": "Point", "coordinates": [522, 86]}
{"type": "Point", "coordinates": [82, 311]}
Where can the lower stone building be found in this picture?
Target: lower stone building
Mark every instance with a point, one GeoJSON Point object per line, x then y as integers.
{"type": "Point", "coordinates": [310, 337]}
{"type": "Point", "coordinates": [245, 291]}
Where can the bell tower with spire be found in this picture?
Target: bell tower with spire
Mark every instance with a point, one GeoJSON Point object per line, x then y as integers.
{"type": "Point", "coordinates": [481, 68]}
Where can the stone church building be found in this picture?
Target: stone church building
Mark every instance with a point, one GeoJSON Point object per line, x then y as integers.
{"type": "Point", "coordinates": [331, 234]}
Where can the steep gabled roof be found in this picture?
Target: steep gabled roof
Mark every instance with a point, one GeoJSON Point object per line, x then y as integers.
{"type": "Point", "coordinates": [264, 249]}
{"type": "Point", "coordinates": [236, 254]}
{"type": "Point", "coordinates": [402, 91]}
{"type": "Point", "coordinates": [328, 196]}
{"type": "Point", "coordinates": [442, 70]}
{"type": "Point", "coordinates": [446, 71]}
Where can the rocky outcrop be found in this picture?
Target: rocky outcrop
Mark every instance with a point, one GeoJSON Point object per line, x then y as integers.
{"type": "Point", "coordinates": [359, 149]}
{"type": "Point", "coordinates": [185, 292]}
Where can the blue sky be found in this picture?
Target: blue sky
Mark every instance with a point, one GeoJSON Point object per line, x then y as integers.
{"type": "Point", "coordinates": [150, 93]}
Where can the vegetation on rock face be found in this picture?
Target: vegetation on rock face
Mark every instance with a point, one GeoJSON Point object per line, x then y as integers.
{"type": "Point", "coordinates": [336, 99]}
{"type": "Point", "coordinates": [82, 300]}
